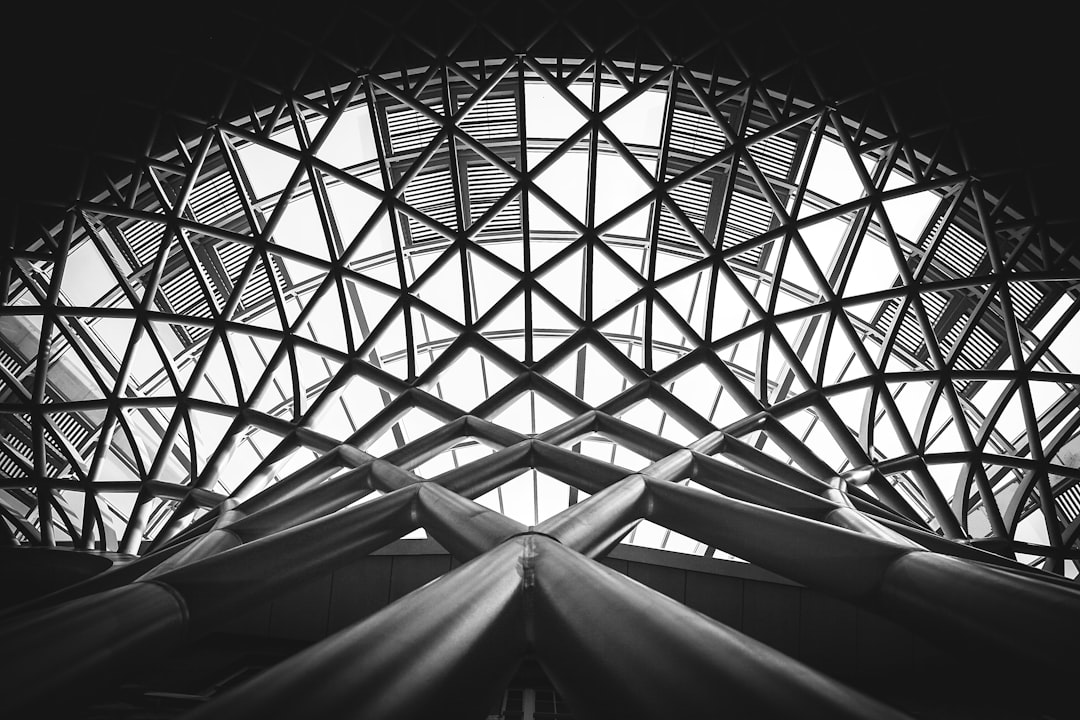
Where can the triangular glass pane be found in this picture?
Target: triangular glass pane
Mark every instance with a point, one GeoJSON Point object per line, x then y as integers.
{"type": "Point", "coordinates": [300, 229]}
{"type": "Point", "coordinates": [547, 320]}
{"type": "Point", "coordinates": [470, 379]}
{"type": "Point", "coordinates": [564, 180]}
{"type": "Point", "coordinates": [800, 271]}
{"type": "Point", "coordinates": [114, 334]}
{"type": "Point", "coordinates": [353, 210]}
{"type": "Point", "coordinates": [508, 325]}
{"type": "Point", "coordinates": [563, 280]}
{"type": "Point", "coordinates": [549, 115]}
{"type": "Point", "coordinates": [488, 283]}
{"type": "Point", "coordinates": [414, 423]}
{"type": "Point", "coordinates": [367, 306]}
{"type": "Point", "coordinates": [266, 166]}
{"type": "Point", "coordinates": [947, 476]}
{"type": "Point", "coordinates": [872, 269]}
{"type": "Point", "coordinates": [464, 452]}
{"type": "Point", "coordinates": [742, 358]}
{"type": "Point", "coordinates": [375, 247]}
{"type": "Point", "coordinates": [640, 121]}
{"type": "Point", "coordinates": [349, 142]}
{"type": "Point", "coordinates": [626, 329]}
{"type": "Point", "coordinates": [209, 429]}
{"type": "Point", "coordinates": [824, 241]}
{"type": "Point", "coordinates": [610, 284]}
{"type": "Point", "coordinates": [389, 345]}
{"type": "Point", "coordinates": [441, 287]}
{"type": "Point", "coordinates": [833, 175]}
{"type": "Point", "coordinates": [324, 319]}
{"type": "Point", "coordinates": [148, 365]}
{"type": "Point", "coordinates": [511, 250]}
{"type": "Point", "coordinates": [315, 370]}
{"type": "Point", "coordinates": [697, 388]}
{"type": "Point", "coordinates": [87, 276]}
{"type": "Point", "coordinates": [730, 312]}
{"type": "Point", "coordinates": [529, 414]}
{"type": "Point", "coordinates": [431, 337]}
{"type": "Point", "coordinates": [668, 261]}
{"type": "Point", "coordinates": [649, 416]}
{"type": "Point", "coordinates": [617, 185]}
{"type": "Point", "coordinates": [688, 297]}
{"type": "Point", "coordinates": [667, 331]}
{"type": "Point", "coordinates": [909, 214]}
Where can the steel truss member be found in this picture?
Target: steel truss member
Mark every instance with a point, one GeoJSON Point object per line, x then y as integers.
{"type": "Point", "coordinates": [536, 301]}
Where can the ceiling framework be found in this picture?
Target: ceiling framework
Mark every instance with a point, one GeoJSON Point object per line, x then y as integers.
{"type": "Point", "coordinates": [702, 254]}
{"type": "Point", "coordinates": [533, 306]}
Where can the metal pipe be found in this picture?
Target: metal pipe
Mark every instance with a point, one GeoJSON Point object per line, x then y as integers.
{"type": "Point", "coordinates": [95, 638]}
{"type": "Point", "coordinates": [297, 482]}
{"type": "Point", "coordinates": [615, 648]}
{"type": "Point", "coordinates": [444, 650]}
{"type": "Point", "coordinates": [595, 525]}
{"type": "Point", "coordinates": [463, 527]}
{"type": "Point", "coordinates": [114, 577]}
{"type": "Point", "coordinates": [577, 470]}
{"type": "Point", "coordinates": [143, 620]}
{"type": "Point", "coordinates": [958, 598]}
{"type": "Point", "coordinates": [217, 540]}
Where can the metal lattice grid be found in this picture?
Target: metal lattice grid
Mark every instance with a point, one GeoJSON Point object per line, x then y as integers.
{"type": "Point", "coordinates": [842, 250]}
{"type": "Point", "coordinates": [533, 306]}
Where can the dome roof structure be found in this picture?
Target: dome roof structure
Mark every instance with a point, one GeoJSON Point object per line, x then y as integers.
{"type": "Point", "coordinates": [535, 293]}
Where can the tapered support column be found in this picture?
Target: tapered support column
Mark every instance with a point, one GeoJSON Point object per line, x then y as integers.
{"type": "Point", "coordinates": [1031, 619]}
{"type": "Point", "coordinates": [114, 577]}
{"type": "Point", "coordinates": [445, 650]}
{"type": "Point", "coordinates": [230, 528]}
{"type": "Point", "coordinates": [217, 540]}
{"type": "Point", "coordinates": [962, 600]}
{"type": "Point", "coordinates": [463, 527]}
{"type": "Point", "coordinates": [617, 649]}
{"type": "Point", "coordinates": [580, 471]}
{"type": "Point", "coordinates": [143, 620]}
{"type": "Point", "coordinates": [54, 654]}
{"type": "Point", "coordinates": [593, 526]}
{"type": "Point", "coordinates": [307, 477]}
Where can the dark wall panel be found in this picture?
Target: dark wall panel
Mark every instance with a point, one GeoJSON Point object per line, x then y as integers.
{"type": "Point", "coordinates": [827, 634]}
{"type": "Point", "coordinates": [719, 597]}
{"type": "Point", "coordinates": [301, 613]}
{"type": "Point", "coordinates": [830, 635]}
{"type": "Point", "coordinates": [255, 621]}
{"type": "Point", "coordinates": [670, 581]}
{"type": "Point", "coordinates": [771, 615]}
{"type": "Point", "coordinates": [412, 571]}
{"type": "Point", "coordinates": [883, 646]}
{"type": "Point", "coordinates": [615, 564]}
{"type": "Point", "coordinates": [359, 589]}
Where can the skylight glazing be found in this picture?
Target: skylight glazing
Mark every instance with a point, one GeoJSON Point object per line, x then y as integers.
{"type": "Point", "coordinates": [615, 259]}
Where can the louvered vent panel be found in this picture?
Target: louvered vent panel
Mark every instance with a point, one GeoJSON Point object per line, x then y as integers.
{"type": "Point", "coordinates": [409, 130]}
{"type": "Point", "coordinates": [493, 118]}
{"type": "Point", "coordinates": [695, 134]}
{"type": "Point", "coordinates": [214, 201]}
{"type": "Point", "coordinates": [488, 185]}
{"type": "Point", "coordinates": [431, 193]}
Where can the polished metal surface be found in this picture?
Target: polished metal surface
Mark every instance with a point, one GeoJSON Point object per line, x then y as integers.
{"type": "Point", "coordinates": [532, 302]}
